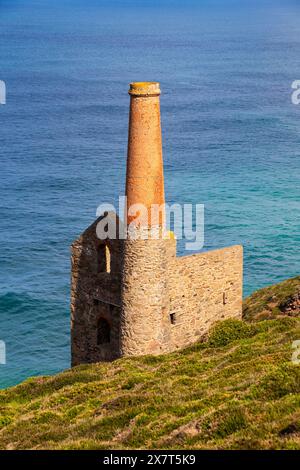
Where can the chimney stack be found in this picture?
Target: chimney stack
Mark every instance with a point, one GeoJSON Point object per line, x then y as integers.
{"type": "Point", "coordinates": [144, 178]}
{"type": "Point", "coordinates": [144, 321]}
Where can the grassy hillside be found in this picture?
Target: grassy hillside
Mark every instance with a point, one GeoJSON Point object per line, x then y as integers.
{"type": "Point", "coordinates": [274, 301]}
{"type": "Point", "coordinates": [237, 390]}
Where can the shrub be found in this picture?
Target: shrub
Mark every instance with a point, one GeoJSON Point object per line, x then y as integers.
{"type": "Point", "coordinates": [233, 421]}
{"type": "Point", "coordinates": [227, 331]}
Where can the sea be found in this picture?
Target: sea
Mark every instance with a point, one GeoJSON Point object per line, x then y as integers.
{"type": "Point", "coordinates": [231, 141]}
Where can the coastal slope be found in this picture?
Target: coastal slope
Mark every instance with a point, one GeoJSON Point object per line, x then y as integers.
{"type": "Point", "coordinates": [238, 389]}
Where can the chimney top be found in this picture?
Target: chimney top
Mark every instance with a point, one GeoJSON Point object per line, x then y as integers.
{"type": "Point", "coordinates": [144, 89]}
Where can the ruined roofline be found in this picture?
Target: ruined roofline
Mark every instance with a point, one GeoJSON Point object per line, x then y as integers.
{"type": "Point", "coordinates": [91, 229]}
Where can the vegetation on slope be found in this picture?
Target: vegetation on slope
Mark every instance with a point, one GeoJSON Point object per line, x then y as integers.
{"type": "Point", "coordinates": [237, 390]}
{"type": "Point", "coordinates": [274, 301]}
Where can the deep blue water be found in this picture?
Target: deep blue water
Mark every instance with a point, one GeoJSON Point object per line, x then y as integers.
{"type": "Point", "coordinates": [231, 141]}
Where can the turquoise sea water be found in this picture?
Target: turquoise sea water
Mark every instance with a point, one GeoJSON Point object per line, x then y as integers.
{"type": "Point", "coordinates": [231, 141]}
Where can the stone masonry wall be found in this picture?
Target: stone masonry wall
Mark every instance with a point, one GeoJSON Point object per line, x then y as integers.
{"type": "Point", "coordinates": [94, 295]}
{"type": "Point", "coordinates": [204, 288]}
{"type": "Point", "coordinates": [144, 297]}
{"type": "Point", "coordinates": [152, 301]}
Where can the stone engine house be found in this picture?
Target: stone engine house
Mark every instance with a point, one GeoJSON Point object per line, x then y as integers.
{"type": "Point", "coordinates": [134, 296]}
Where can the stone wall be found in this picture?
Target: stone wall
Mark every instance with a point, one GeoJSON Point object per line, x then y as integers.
{"type": "Point", "coordinates": [95, 295]}
{"type": "Point", "coordinates": [142, 299]}
{"type": "Point", "coordinates": [204, 288]}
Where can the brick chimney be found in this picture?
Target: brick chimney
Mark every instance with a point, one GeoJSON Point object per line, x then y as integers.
{"type": "Point", "coordinates": [145, 179]}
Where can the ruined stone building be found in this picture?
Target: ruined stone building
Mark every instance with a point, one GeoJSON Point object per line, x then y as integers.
{"type": "Point", "coordinates": [134, 296]}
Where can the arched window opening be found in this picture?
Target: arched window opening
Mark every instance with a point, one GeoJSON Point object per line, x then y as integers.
{"type": "Point", "coordinates": [103, 331]}
{"type": "Point", "coordinates": [103, 262]}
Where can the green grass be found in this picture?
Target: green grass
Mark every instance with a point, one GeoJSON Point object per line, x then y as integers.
{"type": "Point", "coordinates": [237, 390]}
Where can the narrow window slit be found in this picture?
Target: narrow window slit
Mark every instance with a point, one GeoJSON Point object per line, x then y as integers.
{"type": "Point", "coordinates": [103, 261]}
